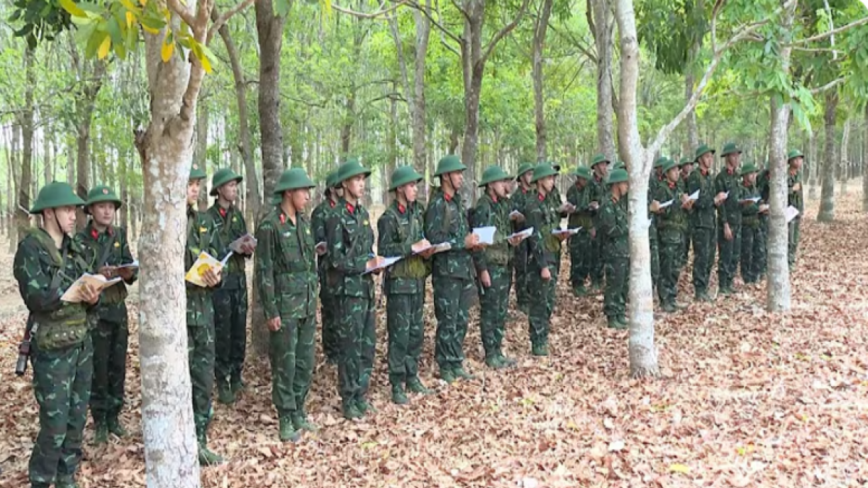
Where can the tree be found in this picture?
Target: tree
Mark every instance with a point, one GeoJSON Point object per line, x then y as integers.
{"type": "Point", "coordinates": [538, 44]}
{"type": "Point", "coordinates": [601, 22]}
{"type": "Point", "coordinates": [90, 72]}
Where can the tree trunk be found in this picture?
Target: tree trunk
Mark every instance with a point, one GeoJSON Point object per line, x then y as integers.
{"type": "Point", "coordinates": [84, 105]}
{"type": "Point", "coordinates": [643, 352]}
{"type": "Point", "coordinates": [423, 30]}
{"type": "Point", "coordinates": [46, 153]}
{"type": "Point", "coordinates": [603, 39]}
{"type": "Point", "coordinates": [124, 189]}
{"type": "Point", "coordinates": [24, 183]}
{"type": "Point", "coordinates": [539, 39]}
{"type": "Point", "coordinates": [827, 194]}
{"type": "Point", "coordinates": [200, 155]}
{"type": "Point", "coordinates": [810, 166]}
{"type": "Point", "coordinates": [844, 157]}
{"type": "Point", "coordinates": [865, 162]}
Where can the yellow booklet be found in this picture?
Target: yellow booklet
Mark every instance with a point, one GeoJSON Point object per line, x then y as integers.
{"type": "Point", "coordinates": [203, 263]}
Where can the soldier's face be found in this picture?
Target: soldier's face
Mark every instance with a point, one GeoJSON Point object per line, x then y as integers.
{"type": "Point", "coordinates": [339, 192]}
{"type": "Point", "coordinates": [623, 188]}
{"type": "Point", "coordinates": [63, 216]}
{"type": "Point", "coordinates": [456, 179]}
{"type": "Point", "coordinates": [103, 213]}
{"type": "Point", "coordinates": [750, 179]}
{"type": "Point", "coordinates": [796, 163]}
{"type": "Point", "coordinates": [602, 169]}
{"type": "Point", "coordinates": [499, 188]}
{"type": "Point", "coordinates": [672, 174]}
{"type": "Point", "coordinates": [733, 159]}
{"type": "Point", "coordinates": [229, 191]}
{"type": "Point", "coordinates": [705, 160]}
{"type": "Point", "coordinates": [410, 191]}
{"type": "Point", "coordinates": [300, 198]}
{"type": "Point", "coordinates": [525, 178]}
{"type": "Point", "coordinates": [686, 170]}
{"type": "Point", "coordinates": [355, 186]}
{"type": "Point", "coordinates": [193, 190]}
{"type": "Point", "coordinates": [547, 183]}
{"type": "Point", "coordinates": [581, 182]}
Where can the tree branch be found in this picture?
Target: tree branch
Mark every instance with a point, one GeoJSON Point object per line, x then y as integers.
{"type": "Point", "coordinates": [363, 15]}
{"type": "Point", "coordinates": [182, 12]}
{"type": "Point", "coordinates": [197, 72]}
{"type": "Point", "coordinates": [506, 30]}
{"type": "Point", "coordinates": [827, 86]}
{"type": "Point", "coordinates": [436, 24]}
{"type": "Point", "coordinates": [463, 12]}
{"type": "Point", "coordinates": [219, 21]}
{"type": "Point", "coordinates": [820, 37]}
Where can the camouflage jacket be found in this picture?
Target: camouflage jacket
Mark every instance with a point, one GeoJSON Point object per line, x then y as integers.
{"type": "Point", "coordinates": [794, 197]}
{"type": "Point", "coordinates": [490, 212]}
{"type": "Point", "coordinates": [37, 266]}
{"type": "Point", "coordinates": [672, 220]}
{"type": "Point", "coordinates": [397, 230]}
{"type": "Point", "coordinates": [517, 202]}
{"type": "Point", "coordinates": [318, 220]}
{"type": "Point", "coordinates": [729, 210]}
{"type": "Point", "coordinates": [228, 226]}
{"type": "Point", "coordinates": [350, 241]}
{"type": "Point", "coordinates": [544, 249]}
{"type": "Point", "coordinates": [750, 211]}
{"type": "Point", "coordinates": [113, 245]}
{"type": "Point", "coordinates": [702, 214]}
{"type": "Point", "coordinates": [445, 221]}
{"type": "Point", "coordinates": [285, 266]}
{"type": "Point", "coordinates": [614, 227]}
{"type": "Point", "coordinates": [200, 237]}
{"type": "Point", "coordinates": [581, 199]}
{"type": "Point", "coordinates": [763, 182]}
{"type": "Point", "coordinates": [599, 194]}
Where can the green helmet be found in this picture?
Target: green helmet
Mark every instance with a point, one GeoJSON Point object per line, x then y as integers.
{"type": "Point", "coordinates": [293, 179]}
{"type": "Point", "coordinates": [703, 149]}
{"type": "Point", "coordinates": [660, 162]}
{"type": "Point", "coordinates": [748, 168]}
{"type": "Point", "coordinates": [794, 153]}
{"type": "Point", "coordinates": [541, 171]}
{"type": "Point", "coordinates": [583, 172]}
{"type": "Point", "coordinates": [331, 179]}
{"type": "Point", "coordinates": [221, 177]}
{"type": "Point", "coordinates": [618, 176]}
{"type": "Point", "coordinates": [599, 158]}
{"type": "Point", "coordinates": [53, 195]}
{"type": "Point", "coordinates": [101, 193]}
{"type": "Point", "coordinates": [492, 174]}
{"type": "Point", "coordinates": [669, 164]}
{"type": "Point", "coordinates": [523, 168]}
{"type": "Point", "coordinates": [729, 148]}
{"type": "Point", "coordinates": [197, 173]}
{"type": "Point", "coordinates": [403, 175]}
{"type": "Point", "coordinates": [349, 169]}
{"type": "Point", "coordinates": [684, 161]}
{"type": "Point", "coordinates": [619, 165]}
{"type": "Point", "coordinates": [449, 164]}
{"type": "Point", "coordinates": [555, 165]}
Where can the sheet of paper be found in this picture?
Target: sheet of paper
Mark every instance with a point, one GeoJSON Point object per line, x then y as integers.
{"type": "Point", "coordinates": [751, 199]}
{"type": "Point", "coordinates": [693, 196]}
{"type": "Point", "coordinates": [203, 263]}
{"type": "Point", "coordinates": [134, 264]}
{"type": "Point", "coordinates": [791, 212]}
{"type": "Point", "coordinates": [523, 234]}
{"type": "Point", "coordinates": [442, 247]}
{"type": "Point", "coordinates": [571, 232]}
{"type": "Point", "coordinates": [96, 282]}
{"type": "Point", "coordinates": [385, 264]}
{"type": "Point", "coordinates": [486, 234]}
{"type": "Point", "coordinates": [666, 204]}
{"type": "Point", "coordinates": [245, 239]}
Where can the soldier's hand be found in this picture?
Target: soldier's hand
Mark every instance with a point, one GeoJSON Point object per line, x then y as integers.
{"type": "Point", "coordinates": [375, 262]}
{"type": "Point", "coordinates": [485, 279]}
{"type": "Point", "coordinates": [211, 277]}
{"type": "Point", "coordinates": [561, 237]}
{"type": "Point", "coordinates": [107, 271]}
{"type": "Point", "coordinates": [727, 232]}
{"type": "Point", "coordinates": [654, 207]}
{"type": "Point", "coordinates": [471, 241]}
{"type": "Point", "coordinates": [423, 244]}
{"type": "Point", "coordinates": [763, 208]}
{"type": "Point", "coordinates": [321, 249]}
{"type": "Point", "coordinates": [88, 294]}
{"type": "Point", "coordinates": [248, 248]}
{"type": "Point", "coordinates": [719, 198]}
{"type": "Point", "coordinates": [567, 207]}
{"type": "Point", "coordinates": [516, 217]}
{"type": "Point", "coordinates": [687, 205]}
{"type": "Point", "coordinates": [797, 187]}
{"type": "Point", "coordinates": [593, 233]}
{"type": "Point", "coordinates": [594, 205]}
{"type": "Point", "coordinates": [545, 274]}
{"type": "Point", "coordinates": [274, 324]}
{"type": "Point", "coordinates": [126, 273]}
{"type": "Point", "coordinates": [515, 240]}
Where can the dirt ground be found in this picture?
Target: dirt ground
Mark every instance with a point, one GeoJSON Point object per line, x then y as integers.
{"type": "Point", "coordinates": [746, 398]}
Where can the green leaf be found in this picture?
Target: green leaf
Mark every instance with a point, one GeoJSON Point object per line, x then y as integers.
{"type": "Point", "coordinates": [281, 7]}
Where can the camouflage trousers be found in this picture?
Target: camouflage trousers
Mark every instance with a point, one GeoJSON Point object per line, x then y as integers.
{"type": "Point", "coordinates": [688, 238]}
{"type": "Point", "coordinates": [522, 294]}
{"type": "Point", "coordinates": [654, 245]}
{"type": "Point", "coordinates": [541, 306]}
{"type": "Point", "coordinates": [703, 258]}
{"type": "Point", "coordinates": [762, 246]}
{"type": "Point", "coordinates": [793, 243]}
{"type": "Point", "coordinates": [230, 331]}
{"type": "Point", "coordinates": [452, 309]}
{"type": "Point", "coordinates": [328, 312]}
{"type": "Point", "coordinates": [200, 358]}
{"type": "Point", "coordinates": [406, 332]}
{"type": "Point", "coordinates": [291, 351]}
{"type": "Point", "coordinates": [617, 282]}
{"type": "Point", "coordinates": [493, 306]}
{"type": "Point", "coordinates": [580, 258]}
{"type": "Point", "coordinates": [110, 341]}
{"type": "Point", "coordinates": [727, 264]}
{"type": "Point", "coordinates": [61, 384]}
{"type": "Point", "coordinates": [750, 239]}
{"type": "Point", "coordinates": [357, 338]}
{"type": "Point", "coordinates": [598, 257]}
{"type": "Point", "coordinates": [671, 254]}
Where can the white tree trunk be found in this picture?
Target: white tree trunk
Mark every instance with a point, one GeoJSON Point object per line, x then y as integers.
{"type": "Point", "coordinates": [827, 192]}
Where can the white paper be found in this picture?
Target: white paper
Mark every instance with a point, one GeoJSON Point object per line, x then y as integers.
{"type": "Point", "coordinates": [693, 196]}
{"type": "Point", "coordinates": [666, 204]}
{"type": "Point", "coordinates": [443, 246]}
{"type": "Point", "coordinates": [96, 282]}
{"type": "Point", "coordinates": [245, 239]}
{"type": "Point", "coordinates": [791, 212]}
{"type": "Point", "coordinates": [571, 232]}
{"type": "Point", "coordinates": [203, 263]}
{"type": "Point", "coordinates": [751, 199]}
{"type": "Point", "coordinates": [134, 264]}
{"type": "Point", "coordinates": [385, 264]}
{"type": "Point", "coordinates": [486, 234]}
{"type": "Point", "coordinates": [523, 234]}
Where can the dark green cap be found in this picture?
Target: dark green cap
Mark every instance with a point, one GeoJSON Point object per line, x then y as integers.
{"type": "Point", "coordinates": [748, 168]}
{"type": "Point", "coordinates": [660, 162]}
{"type": "Point", "coordinates": [331, 179]}
{"type": "Point", "coordinates": [794, 153]}
{"type": "Point", "coordinates": [619, 165]}
{"type": "Point", "coordinates": [492, 174]}
{"type": "Point", "coordinates": [197, 173]}
{"type": "Point", "coordinates": [221, 177]}
{"type": "Point", "coordinates": [523, 168]}
{"type": "Point", "coordinates": [403, 175]}
{"type": "Point", "coordinates": [449, 164]}
{"type": "Point", "coordinates": [541, 171]}
{"type": "Point", "coordinates": [350, 169]}
{"type": "Point", "coordinates": [599, 158]}
{"type": "Point", "coordinates": [685, 161]}
{"type": "Point", "coordinates": [293, 179]}
{"type": "Point", "coordinates": [583, 172]}
{"type": "Point", "coordinates": [617, 176]}
{"type": "Point", "coordinates": [729, 148]}
{"type": "Point", "coordinates": [669, 164]}
{"type": "Point", "coordinates": [53, 195]}
{"type": "Point", "coordinates": [703, 149]}
{"type": "Point", "coordinates": [101, 193]}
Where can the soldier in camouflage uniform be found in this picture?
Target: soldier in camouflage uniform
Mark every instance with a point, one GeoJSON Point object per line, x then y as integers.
{"type": "Point", "coordinates": [107, 248]}
{"type": "Point", "coordinates": [613, 229]}
{"type": "Point", "coordinates": [686, 167]}
{"type": "Point", "coordinates": [763, 182]}
{"type": "Point", "coordinates": [728, 183]}
{"type": "Point", "coordinates": [400, 233]}
{"type": "Point", "coordinates": [493, 265]}
{"type": "Point", "coordinates": [579, 195]}
{"type": "Point", "coordinates": [671, 225]}
{"type": "Point", "coordinates": [795, 159]}
{"type": "Point", "coordinates": [544, 249]}
{"type": "Point", "coordinates": [350, 249]}
{"type": "Point", "coordinates": [517, 200]}
{"type": "Point", "coordinates": [286, 280]}
{"type": "Point", "coordinates": [703, 221]}
{"type": "Point", "coordinates": [230, 299]}
{"type": "Point", "coordinates": [599, 194]}
{"type": "Point", "coordinates": [328, 310]}
{"type": "Point", "coordinates": [656, 181]}
{"type": "Point", "coordinates": [452, 271]}
{"type": "Point", "coordinates": [750, 224]}
{"type": "Point", "coordinates": [200, 317]}
{"type": "Point", "coordinates": [46, 264]}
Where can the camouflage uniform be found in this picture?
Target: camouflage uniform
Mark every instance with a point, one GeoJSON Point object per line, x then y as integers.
{"type": "Point", "coordinates": [230, 299]}
{"type": "Point", "coordinates": [61, 349]}
{"type": "Point", "coordinates": [286, 280]}
{"type": "Point", "coordinates": [763, 181]}
{"type": "Point", "coordinates": [729, 211]}
{"type": "Point", "coordinates": [599, 194]}
{"type": "Point", "coordinates": [328, 308]}
{"type": "Point", "coordinates": [750, 234]}
{"type": "Point", "coordinates": [522, 294]}
{"type": "Point", "coordinates": [653, 242]}
{"type": "Point", "coordinates": [581, 244]}
{"type": "Point", "coordinates": [703, 221]}
{"type": "Point", "coordinates": [671, 226]}
{"type": "Point", "coordinates": [613, 228]}
{"type": "Point", "coordinates": [795, 199]}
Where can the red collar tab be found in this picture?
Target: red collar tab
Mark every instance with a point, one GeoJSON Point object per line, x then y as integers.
{"type": "Point", "coordinates": [331, 204]}
{"type": "Point", "coordinates": [597, 178]}
{"type": "Point", "coordinates": [703, 171]}
{"type": "Point", "coordinates": [350, 208]}
{"type": "Point", "coordinates": [282, 218]}
{"type": "Point", "coordinates": [222, 212]}
{"type": "Point", "coordinates": [447, 197]}
{"type": "Point", "coordinates": [94, 233]}
{"type": "Point", "coordinates": [402, 208]}
{"type": "Point", "coordinates": [671, 185]}
{"type": "Point", "coordinates": [524, 190]}
{"type": "Point", "coordinates": [494, 199]}
{"type": "Point", "coordinates": [730, 171]}
{"type": "Point", "coordinates": [540, 196]}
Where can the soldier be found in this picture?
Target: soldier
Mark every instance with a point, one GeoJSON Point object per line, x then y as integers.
{"type": "Point", "coordinates": [200, 317]}
{"type": "Point", "coordinates": [400, 233]}
{"type": "Point", "coordinates": [729, 215]}
{"type": "Point", "coordinates": [703, 221]}
{"type": "Point", "coordinates": [350, 241]}
{"type": "Point", "coordinates": [517, 200]}
{"type": "Point", "coordinates": [452, 271]}
{"type": "Point", "coordinates": [613, 229]}
{"type": "Point", "coordinates": [763, 181]}
{"type": "Point", "coordinates": [750, 225]}
{"type": "Point", "coordinates": [579, 195]}
{"type": "Point", "coordinates": [599, 194]}
{"type": "Point", "coordinates": [106, 248]}
{"type": "Point", "coordinates": [671, 226]}
{"type": "Point", "coordinates": [285, 274]}
{"type": "Point", "coordinates": [493, 265]}
{"type": "Point", "coordinates": [230, 299]}
{"type": "Point", "coordinates": [686, 167]}
{"type": "Point", "coordinates": [795, 158]}
{"type": "Point", "coordinates": [320, 216]}
{"type": "Point", "coordinates": [544, 250]}
{"type": "Point", "coordinates": [46, 264]}
{"type": "Point", "coordinates": [657, 180]}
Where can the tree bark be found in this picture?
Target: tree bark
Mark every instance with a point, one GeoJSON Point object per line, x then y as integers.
{"type": "Point", "coordinates": [124, 189]}
{"type": "Point", "coordinates": [603, 31]}
{"type": "Point", "coordinates": [827, 193]}
{"type": "Point", "coordinates": [844, 157]}
{"type": "Point", "coordinates": [810, 166]}
{"type": "Point", "coordinates": [92, 72]}
{"type": "Point", "coordinates": [423, 30]}
{"type": "Point", "coordinates": [200, 155]}
{"type": "Point", "coordinates": [538, 43]}
{"type": "Point", "coordinates": [26, 155]}
{"type": "Point", "coordinates": [865, 162]}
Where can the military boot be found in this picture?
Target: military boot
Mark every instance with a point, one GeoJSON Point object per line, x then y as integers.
{"type": "Point", "coordinates": [206, 456]}
{"type": "Point", "coordinates": [447, 375]}
{"type": "Point", "coordinates": [460, 373]}
{"type": "Point", "coordinates": [414, 385]}
{"type": "Point", "coordinates": [102, 432]}
{"type": "Point", "coordinates": [237, 384]}
{"type": "Point", "coordinates": [115, 427]}
{"type": "Point", "coordinates": [300, 422]}
{"type": "Point", "coordinates": [288, 432]}
{"type": "Point", "coordinates": [64, 483]}
{"type": "Point", "coordinates": [539, 349]}
{"type": "Point", "coordinates": [39, 485]}
{"type": "Point", "coordinates": [507, 362]}
{"type": "Point", "coordinates": [365, 407]}
{"type": "Point", "coordinates": [350, 410]}
{"type": "Point", "coordinates": [580, 291]}
{"type": "Point", "coordinates": [614, 323]}
{"type": "Point", "coordinates": [398, 395]}
{"type": "Point", "coordinates": [225, 395]}
{"type": "Point", "coordinates": [668, 307]}
{"type": "Point", "coordinates": [493, 361]}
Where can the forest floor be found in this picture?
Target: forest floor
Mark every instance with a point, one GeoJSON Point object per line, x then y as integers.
{"type": "Point", "coordinates": [745, 398]}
